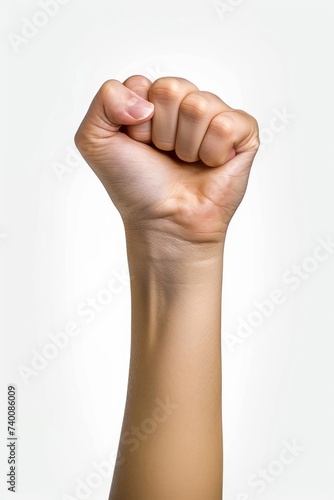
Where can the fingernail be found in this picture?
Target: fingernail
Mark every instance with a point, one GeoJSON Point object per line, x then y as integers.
{"type": "Point", "coordinates": [139, 108]}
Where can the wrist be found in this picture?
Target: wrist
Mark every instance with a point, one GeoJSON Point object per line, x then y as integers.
{"type": "Point", "coordinates": [174, 259]}
{"type": "Point", "coordinates": [175, 285]}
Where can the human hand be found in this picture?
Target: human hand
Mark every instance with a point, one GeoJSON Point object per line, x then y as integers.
{"type": "Point", "coordinates": [180, 166]}
{"type": "Point", "coordinates": [176, 171]}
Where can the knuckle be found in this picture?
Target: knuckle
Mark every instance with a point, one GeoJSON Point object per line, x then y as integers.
{"type": "Point", "coordinates": [137, 83]}
{"type": "Point", "coordinates": [254, 132]}
{"type": "Point", "coordinates": [256, 125]}
{"type": "Point", "coordinates": [222, 125]}
{"type": "Point", "coordinates": [166, 89]}
{"type": "Point", "coordinates": [253, 123]}
{"type": "Point", "coordinates": [256, 143]}
{"type": "Point", "coordinates": [194, 106]}
{"type": "Point", "coordinates": [137, 79]}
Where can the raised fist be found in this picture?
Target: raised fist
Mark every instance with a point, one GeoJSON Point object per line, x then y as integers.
{"type": "Point", "coordinates": [172, 158]}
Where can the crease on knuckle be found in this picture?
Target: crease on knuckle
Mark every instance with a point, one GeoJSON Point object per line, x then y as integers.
{"type": "Point", "coordinates": [222, 126]}
{"type": "Point", "coordinates": [165, 89]}
{"type": "Point", "coordinates": [139, 82]}
{"type": "Point", "coordinates": [253, 137]}
{"type": "Point", "coordinates": [256, 134]}
{"type": "Point", "coordinates": [194, 106]}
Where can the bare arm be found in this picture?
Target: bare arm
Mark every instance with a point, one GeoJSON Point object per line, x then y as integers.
{"type": "Point", "coordinates": [175, 358]}
{"type": "Point", "coordinates": [176, 175]}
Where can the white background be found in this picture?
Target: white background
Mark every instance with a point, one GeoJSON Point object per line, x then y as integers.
{"type": "Point", "coordinates": [61, 239]}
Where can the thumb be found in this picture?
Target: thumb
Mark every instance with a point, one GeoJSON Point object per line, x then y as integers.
{"type": "Point", "coordinates": [113, 106]}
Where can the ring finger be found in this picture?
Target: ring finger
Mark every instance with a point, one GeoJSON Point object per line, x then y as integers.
{"type": "Point", "coordinates": [196, 112]}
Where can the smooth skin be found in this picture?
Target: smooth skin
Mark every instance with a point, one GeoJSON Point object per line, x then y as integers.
{"type": "Point", "coordinates": [175, 161]}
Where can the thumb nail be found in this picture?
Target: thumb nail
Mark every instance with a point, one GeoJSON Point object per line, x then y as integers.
{"type": "Point", "coordinates": [139, 108]}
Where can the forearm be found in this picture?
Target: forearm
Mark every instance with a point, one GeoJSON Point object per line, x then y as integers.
{"type": "Point", "coordinates": [175, 160]}
{"type": "Point", "coordinates": [175, 359]}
